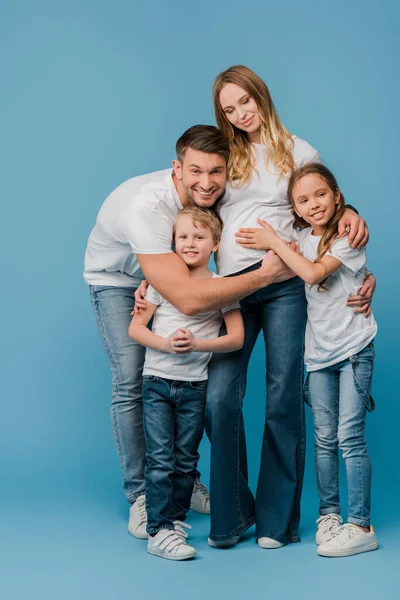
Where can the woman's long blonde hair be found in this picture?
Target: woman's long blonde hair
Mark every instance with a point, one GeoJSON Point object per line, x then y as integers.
{"type": "Point", "coordinates": [274, 136]}
{"type": "Point", "coordinates": [332, 227]}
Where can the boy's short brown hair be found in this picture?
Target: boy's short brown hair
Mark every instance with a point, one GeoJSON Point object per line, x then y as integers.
{"type": "Point", "coordinates": [204, 217]}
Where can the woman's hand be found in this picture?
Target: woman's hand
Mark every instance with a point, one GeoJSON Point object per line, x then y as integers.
{"type": "Point", "coordinates": [356, 227]}
{"type": "Point", "coordinates": [361, 303]}
{"type": "Point", "coordinates": [257, 238]}
{"type": "Point", "coordinates": [140, 300]}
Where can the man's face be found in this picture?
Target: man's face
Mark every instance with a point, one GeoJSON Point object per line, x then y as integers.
{"type": "Point", "coordinates": [202, 176]}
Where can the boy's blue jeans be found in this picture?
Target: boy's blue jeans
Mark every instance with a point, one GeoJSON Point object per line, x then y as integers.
{"type": "Point", "coordinates": [173, 425]}
{"type": "Point", "coordinates": [340, 397]}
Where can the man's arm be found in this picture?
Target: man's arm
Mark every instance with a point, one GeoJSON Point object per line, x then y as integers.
{"type": "Point", "coordinates": [169, 275]}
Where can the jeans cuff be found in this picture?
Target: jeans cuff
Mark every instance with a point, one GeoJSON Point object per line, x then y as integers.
{"type": "Point", "coordinates": [132, 499]}
{"type": "Point", "coordinates": [154, 530]}
{"type": "Point", "coordinates": [331, 510]}
{"type": "Point", "coordinates": [238, 531]}
{"type": "Point", "coordinates": [360, 522]}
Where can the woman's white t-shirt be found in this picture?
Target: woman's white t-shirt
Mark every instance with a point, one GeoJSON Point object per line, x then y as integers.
{"type": "Point", "coordinates": [334, 332]}
{"type": "Point", "coordinates": [265, 197]}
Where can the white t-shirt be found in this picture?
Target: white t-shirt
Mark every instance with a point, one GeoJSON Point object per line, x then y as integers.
{"type": "Point", "coordinates": [136, 218]}
{"type": "Point", "coordinates": [334, 332]}
{"type": "Point", "coordinates": [265, 198]}
{"type": "Point", "coordinates": [167, 319]}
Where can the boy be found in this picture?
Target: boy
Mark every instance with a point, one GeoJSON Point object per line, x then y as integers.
{"type": "Point", "coordinates": [174, 385]}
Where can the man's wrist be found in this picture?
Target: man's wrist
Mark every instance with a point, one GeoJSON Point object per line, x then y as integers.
{"type": "Point", "coordinates": [350, 207]}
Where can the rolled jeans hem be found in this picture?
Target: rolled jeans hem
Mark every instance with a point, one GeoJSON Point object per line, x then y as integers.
{"type": "Point", "coordinates": [360, 522]}
{"type": "Point", "coordinates": [132, 499]}
{"type": "Point", "coordinates": [331, 510]}
{"type": "Point", "coordinates": [154, 530]}
{"type": "Point", "coordinates": [241, 529]}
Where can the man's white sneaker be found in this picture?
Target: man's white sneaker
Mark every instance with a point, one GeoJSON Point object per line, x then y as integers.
{"type": "Point", "coordinates": [224, 543]}
{"type": "Point", "coordinates": [200, 501]}
{"type": "Point", "coordinates": [327, 527]}
{"type": "Point", "coordinates": [348, 540]}
{"type": "Point", "coordinates": [266, 542]}
{"type": "Point", "coordinates": [167, 543]}
{"type": "Point", "coordinates": [138, 519]}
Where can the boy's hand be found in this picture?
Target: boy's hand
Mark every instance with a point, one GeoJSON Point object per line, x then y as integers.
{"type": "Point", "coordinates": [180, 342]}
{"type": "Point", "coordinates": [257, 238]}
{"type": "Point", "coordinates": [361, 303]}
{"type": "Point", "coordinates": [140, 300]}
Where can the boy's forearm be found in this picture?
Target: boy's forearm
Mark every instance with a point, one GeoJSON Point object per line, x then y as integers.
{"type": "Point", "coordinates": [225, 343]}
{"type": "Point", "coordinates": [142, 335]}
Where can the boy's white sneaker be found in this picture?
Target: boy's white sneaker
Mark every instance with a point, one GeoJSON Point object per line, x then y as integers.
{"type": "Point", "coordinates": [169, 544]}
{"type": "Point", "coordinates": [179, 528]}
{"type": "Point", "coordinates": [200, 500]}
{"type": "Point", "coordinates": [327, 527]}
{"type": "Point", "coordinates": [138, 519]}
{"type": "Point", "coordinates": [348, 540]}
{"type": "Point", "coordinates": [269, 543]}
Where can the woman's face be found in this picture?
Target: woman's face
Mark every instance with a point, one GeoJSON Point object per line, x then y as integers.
{"type": "Point", "coordinates": [241, 110]}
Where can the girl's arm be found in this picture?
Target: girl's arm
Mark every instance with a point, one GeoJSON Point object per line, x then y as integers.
{"type": "Point", "coordinates": [267, 239]}
{"type": "Point", "coordinates": [232, 340]}
{"type": "Point", "coordinates": [139, 332]}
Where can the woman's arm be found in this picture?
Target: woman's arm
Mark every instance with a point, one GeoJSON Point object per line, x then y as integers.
{"type": "Point", "coordinates": [232, 340]}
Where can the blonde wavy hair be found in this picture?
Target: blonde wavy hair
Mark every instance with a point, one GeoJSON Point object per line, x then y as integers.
{"type": "Point", "coordinates": [331, 232]}
{"type": "Point", "coordinates": [206, 218]}
{"type": "Point", "coordinates": [274, 136]}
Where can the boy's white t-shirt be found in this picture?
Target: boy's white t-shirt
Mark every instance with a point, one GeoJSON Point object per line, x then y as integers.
{"type": "Point", "coordinates": [266, 198]}
{"type": "Point", "coordinates": [334, 332]}
{"type": "Point", "coordinates": [136, 218]}
{"type": "Point", "coordinates": [167, 319]}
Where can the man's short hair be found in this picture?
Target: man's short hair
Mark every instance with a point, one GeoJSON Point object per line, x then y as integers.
{"type": "Point", "coordinates": [205, 138]}
{"type": "Point", "coordinates": [203, 217]}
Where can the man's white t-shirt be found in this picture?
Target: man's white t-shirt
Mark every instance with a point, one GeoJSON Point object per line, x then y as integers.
{"type": "Point", "coordinates": [334, 332]}
{"type": "Point", "coordinates": [167, 319]}
{"type": "Point", "coordinates": [136, 218]}
{"type": "Point", "coordinates": [265, 197]}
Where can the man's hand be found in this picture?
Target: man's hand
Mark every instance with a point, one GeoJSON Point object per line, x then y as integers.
{"type": "Point", "coordinates": [274, 268]}
{"type": "Point", "coordinates": [140, 300]}
{"type": "Point", "coordinates": [180, 342]}
{"type": "Point", "coordinates": [361, 303]}
{"type": "Point", "coordinates": [358, 234]}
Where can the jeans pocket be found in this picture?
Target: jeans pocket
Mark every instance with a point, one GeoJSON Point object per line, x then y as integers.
{"type": "Point", "coordinates": [198, 385]}
{"type": "Point", "coordinates": [149, 377]}
{"type": "Point", "coordinates": [363, 366]}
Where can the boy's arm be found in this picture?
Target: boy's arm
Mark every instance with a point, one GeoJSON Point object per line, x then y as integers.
{"type": "Point", "coordinates": [139, 332]}
{"type": "Point", "coordinates": [232, 340]}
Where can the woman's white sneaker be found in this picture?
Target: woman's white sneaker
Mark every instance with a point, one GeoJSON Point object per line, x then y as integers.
{"type": "Point", "coordinates": [269, 543]}
{"type": "Point", "coordinates": [200, 500]}
{"type": "Point", "coordinates": [327, 526]}
{"type": "Point", "coordinates": [169, 544]}
{"type": "Point", "coordinates": [138, 519]}
{"type": "Point", "coordinates": [349, 540]}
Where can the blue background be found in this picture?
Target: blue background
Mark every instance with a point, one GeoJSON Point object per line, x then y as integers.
{"type": "Point", "coordinates": [95, 92]}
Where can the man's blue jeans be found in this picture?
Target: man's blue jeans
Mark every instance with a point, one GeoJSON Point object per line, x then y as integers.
{"type": "Point", "coordinates": [340, 397]}
{"type": "Point", "coordinates": [112, 307]}
{"type": "Point", "coordinates": [173, 423]}
{"type": "Point", "coordinates": [279, 310]}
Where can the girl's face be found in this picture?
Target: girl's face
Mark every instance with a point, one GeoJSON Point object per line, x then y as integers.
{"type": "Point", "coordinates": [241, 110]}
{"type": "Point", "coordinates": [314, 201]}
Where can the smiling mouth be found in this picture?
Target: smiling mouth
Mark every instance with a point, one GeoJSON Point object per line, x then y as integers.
{"type": "Point", "coordinates": [245, 123]}
{"type": "Point", "coordinates": [318, 214]}
{"type": "Point", "coordinates": [205, 194]}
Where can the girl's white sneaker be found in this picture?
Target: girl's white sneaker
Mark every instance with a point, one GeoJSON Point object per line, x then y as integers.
{"type": "Point", "coordinates": [138, 519]}
{"type": "Point", "coordinates": [348, 540]}
{"type": "Point", "coordinates": [167, 543]}
{"type": "Point", "coordinates": [200, 501]}
{"type": "Point", "coordinates": [327, 527]}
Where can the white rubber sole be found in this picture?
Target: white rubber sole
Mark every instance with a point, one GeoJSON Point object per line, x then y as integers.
{"type": "Point", "coordinates": [139, 536]}
{"type": "Point", "coordinates": [161, 554]}
{"type": "Point", "coordinates": [352, 552]}
{"type": "Point", "coordinates": [224, 543]}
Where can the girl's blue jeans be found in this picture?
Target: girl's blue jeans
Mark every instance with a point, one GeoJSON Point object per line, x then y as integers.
{"type": "Point", "coordinates": [340, 397]}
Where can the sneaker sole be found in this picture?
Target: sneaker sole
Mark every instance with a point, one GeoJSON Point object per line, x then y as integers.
{"type": "Point", "coordinates": [203, 511]}
{"type": "Point", "coordinates": [161, 554]}
{"type": "Point", "coordinates": [139, 536]}
{"type": "Point", "coordinates": [338, 554]}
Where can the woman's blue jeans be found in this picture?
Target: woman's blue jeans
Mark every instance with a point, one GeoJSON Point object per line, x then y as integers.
{"type": "Point", "coordinates": [279, 310]}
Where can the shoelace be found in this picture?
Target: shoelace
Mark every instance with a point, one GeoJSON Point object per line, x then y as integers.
{"type": "Point", "coordinates": [327, 522]}
{"type": "Point", "coordinates": [170, 540]}
{"type": "Point", "coordinates": [346, 532]}
{"type": "Point", "coordinates": [201, 488]}
{"type": "Point", "coordinates": [179, 528]}
{"type": "Point", "coordinates": [141, 505]}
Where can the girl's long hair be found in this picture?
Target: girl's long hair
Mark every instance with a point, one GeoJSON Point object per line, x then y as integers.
{"type": "Point", "coordinates": [332, 227]}
{"type": "Point", "coordinates": [274, 136]}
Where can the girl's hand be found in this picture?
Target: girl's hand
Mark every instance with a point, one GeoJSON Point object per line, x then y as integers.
{"type": "Point", "coordinates": [140, 300]}
{"type": "Point", "coordinates": [259, 239]}
{"type": "Point", "coordinates": [361, 303]}
{"type": "Point", "coordinates": [180, 342]}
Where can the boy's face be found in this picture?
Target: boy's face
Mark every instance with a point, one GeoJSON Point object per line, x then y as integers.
{"type": "Point", "coordinates": [194, 244]}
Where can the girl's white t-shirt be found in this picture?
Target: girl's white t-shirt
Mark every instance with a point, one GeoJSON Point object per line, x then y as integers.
{"type": "Point", "coordinates": [167, 319]}
{"type": "Point", "coordinates": [265, 197]}
{"type": "Point", "coordinates": [334, 332]}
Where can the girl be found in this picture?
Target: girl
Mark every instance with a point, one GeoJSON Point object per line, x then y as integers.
{"type": "Point", "coordinates": [339, 353]}
{"type": "Point", "coordinates": [262, 156]}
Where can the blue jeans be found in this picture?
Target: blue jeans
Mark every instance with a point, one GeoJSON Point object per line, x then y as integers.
{"type": "Point", "coordinates": [279, 310]}
{"type": "Point", "coordinates": [173, 424]}
{"type": "Point", "coordinates": [112, 307]}
{"type": "Point", "coordinates": [340, 396]}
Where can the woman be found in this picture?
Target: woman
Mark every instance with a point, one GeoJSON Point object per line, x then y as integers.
{"type": "Point", "coordinates": [263, 155]}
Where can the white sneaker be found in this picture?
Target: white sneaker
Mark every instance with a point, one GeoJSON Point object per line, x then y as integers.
{"type": "Point", "coordinates": [266, 542]}
{"type": "Point", "coordinates": [224, 543]}
{"type": "Point", "coordinates": [138, 519]}
{"type": "Point", "coordinates": [200, 501]}
{"type": "Point", "coordinates": [349, 540]}
{"type": "Point", "coordinates": [179, 528]}
{"type": "Point", "coordinates": [167, 543]}
{"type": "Point", "coordinates": [327, 527]}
